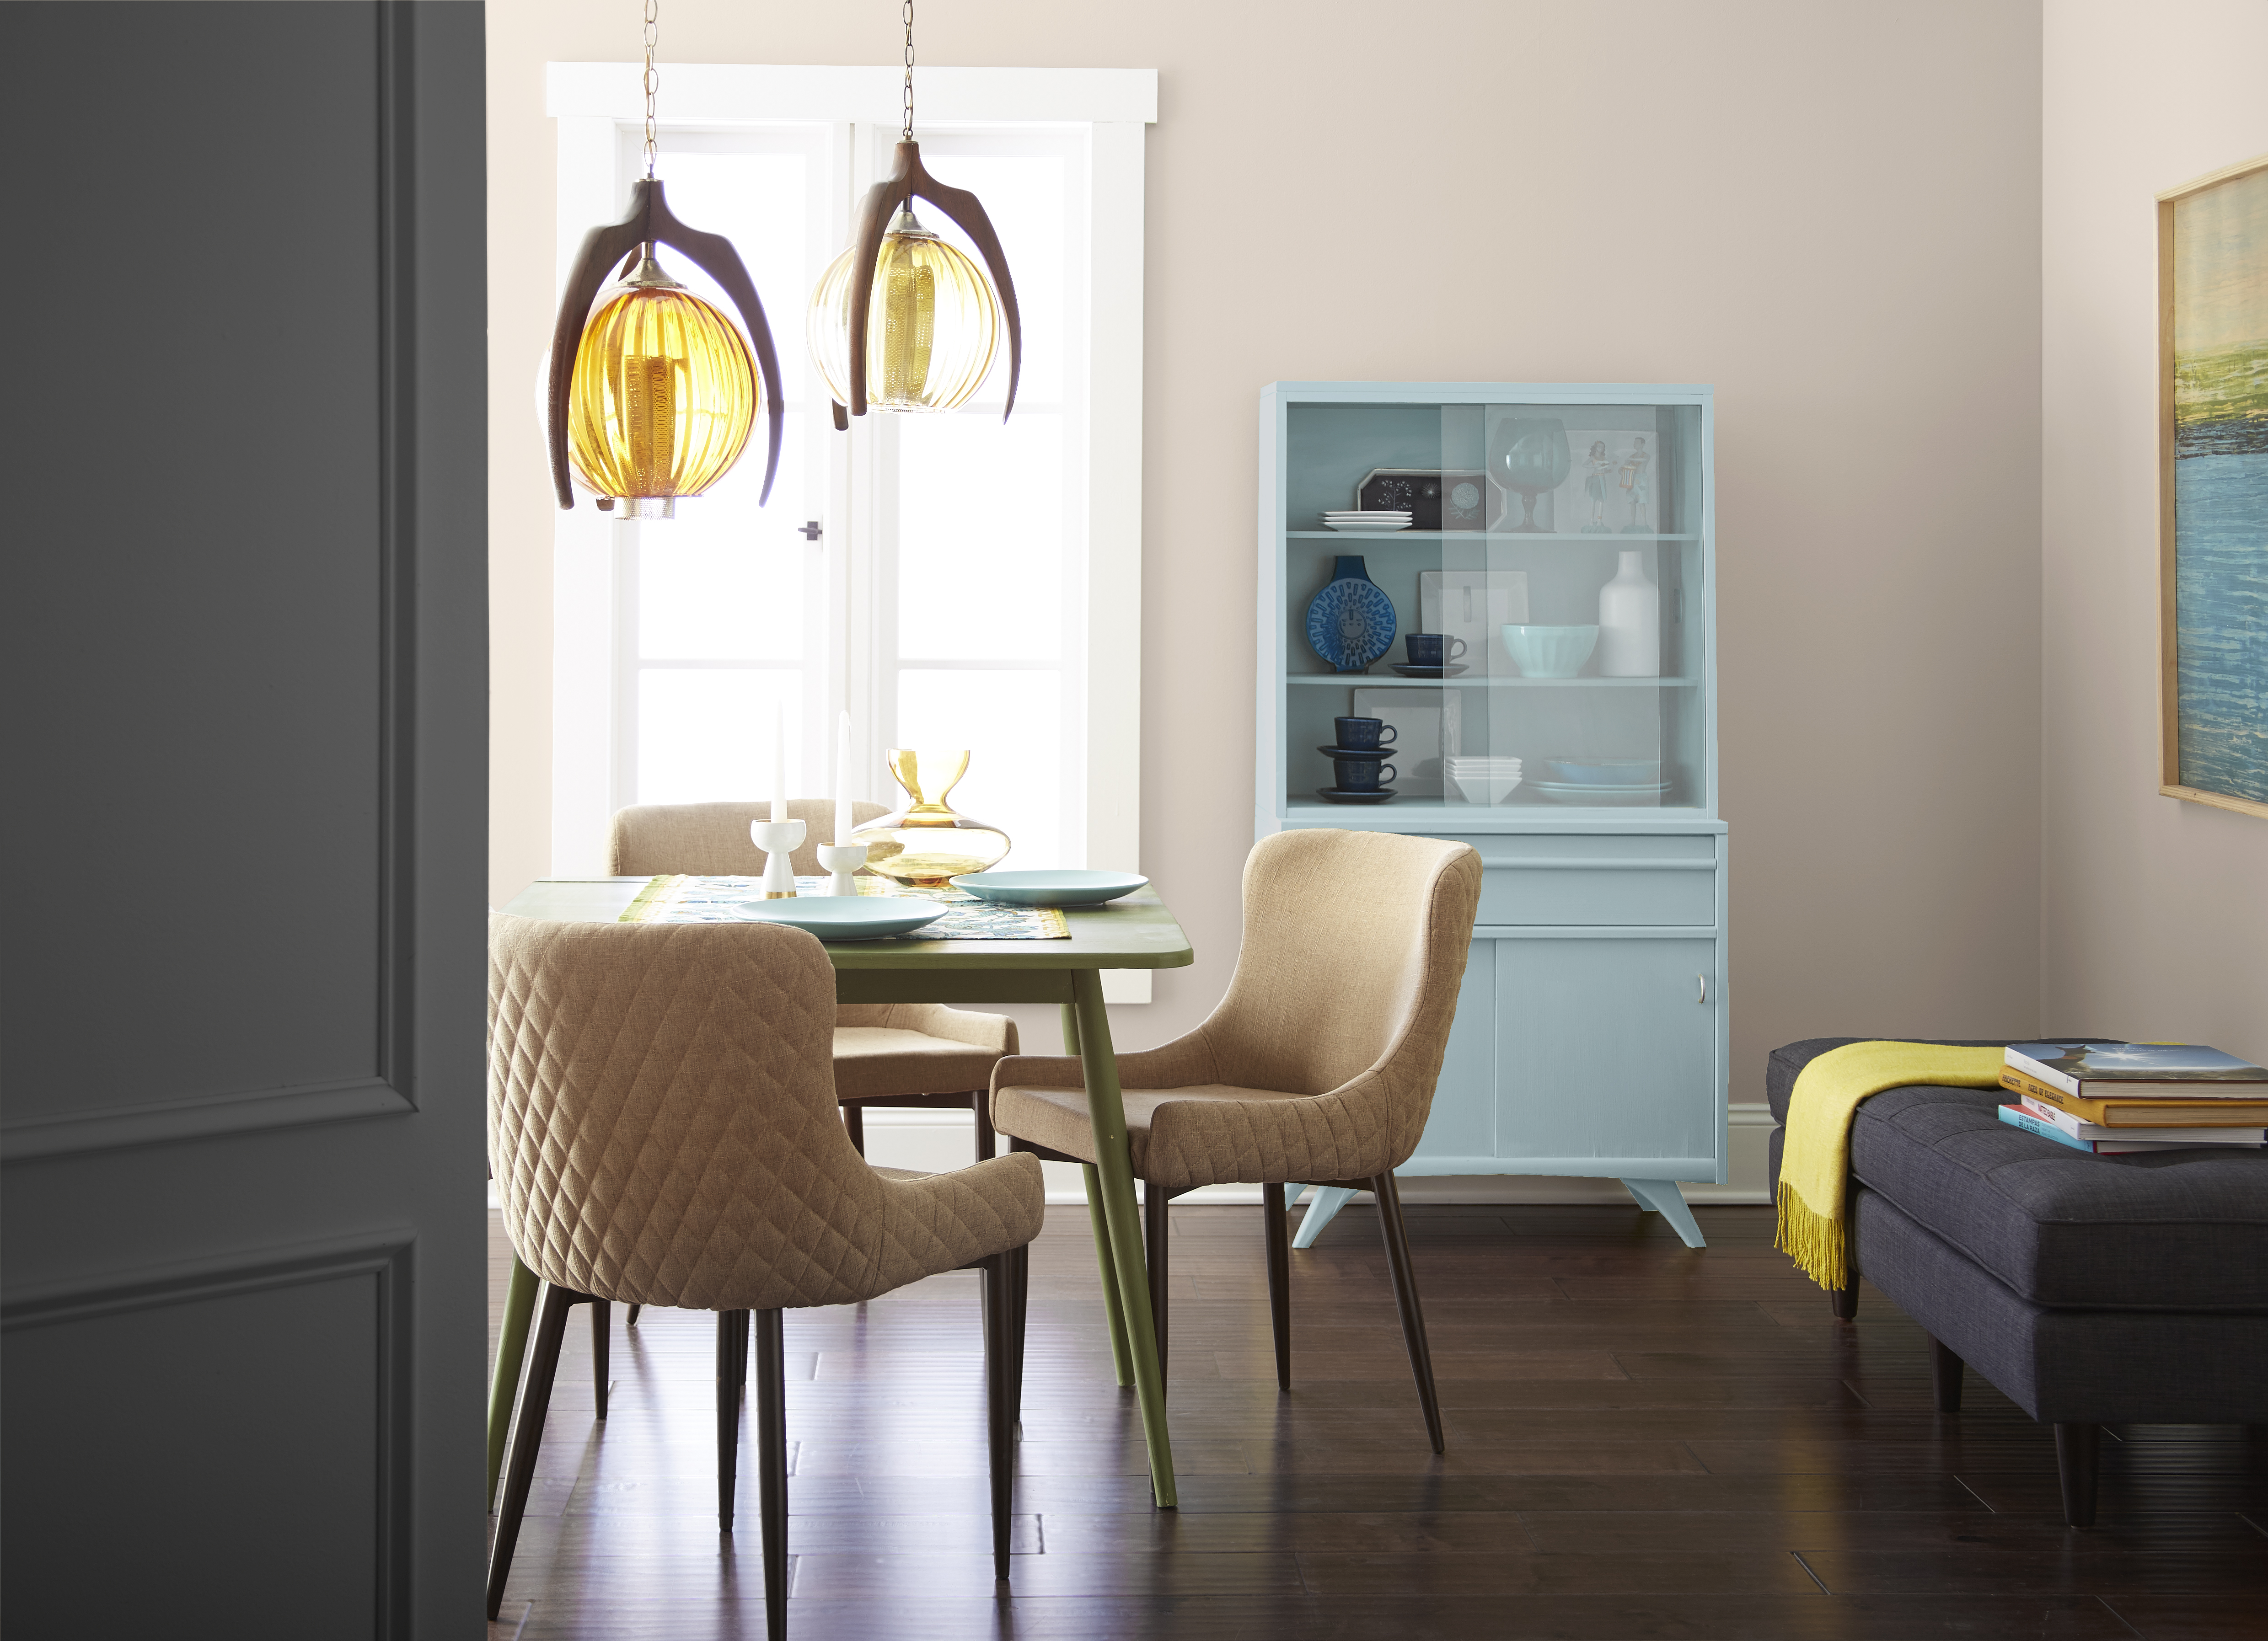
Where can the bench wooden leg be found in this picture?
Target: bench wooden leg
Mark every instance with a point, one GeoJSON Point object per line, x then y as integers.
{"type": "Point", "coordinates": [1944, 1378]}
{"type": "Point", "coordinates": [1843, 1302]}
{"type": "Point", "coordinates": [2077, 1449]}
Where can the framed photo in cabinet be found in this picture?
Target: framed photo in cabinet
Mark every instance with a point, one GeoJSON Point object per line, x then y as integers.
{"type": "Point", "coordinates": [2213, 488]}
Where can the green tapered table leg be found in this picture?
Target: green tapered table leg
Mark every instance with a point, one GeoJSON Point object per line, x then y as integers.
{"type": "Point", "coordinates": [1122, 1356]}
{"type": "Point", "coordinates": [1106, 1110]}
{"type": "Point", "coordinates": [1122, 1359]}
{"type": "Point", "coordinates": [504, 1384]}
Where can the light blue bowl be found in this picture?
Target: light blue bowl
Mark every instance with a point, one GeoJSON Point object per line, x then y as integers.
{"type": "Point", "coordinates": [845, 917]}
{"type": "Point", "coordinates": [1050, 888]}
{"type": "Point", "coordinates": [1550, 651]}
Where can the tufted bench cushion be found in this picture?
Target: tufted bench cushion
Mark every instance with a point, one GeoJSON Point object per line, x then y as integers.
{"type": "Point", "coordinates": [2169, 1231]}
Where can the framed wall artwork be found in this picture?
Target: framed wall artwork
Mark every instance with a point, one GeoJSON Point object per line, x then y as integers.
{"type": "Point", "coordinates": [2213, 488]}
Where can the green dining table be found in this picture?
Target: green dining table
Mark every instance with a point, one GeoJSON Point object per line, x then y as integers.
{"type": "Point", "coordinates": [1136, 932]}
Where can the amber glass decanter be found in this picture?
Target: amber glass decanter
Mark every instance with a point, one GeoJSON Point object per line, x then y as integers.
{"type": "Point", "coordinates": [925, 843]}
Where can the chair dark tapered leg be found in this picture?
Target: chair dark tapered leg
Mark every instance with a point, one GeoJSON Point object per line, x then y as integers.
{"type": "Point", "coordinates": [1405, 1297]}
{"type": "Point", "coordinates": [535, 1401]}
{"type": "Point", "coordinates": [1944, 1378]}
{"type": "Point", "coordinates": [602, 1324]}
{"type": "Point", "coordinates": [1843, 1302]}
{"type": "Point", "coordinates": [630, 1321]}
{"type": "Point", "coordinates": [732, 1374]}
{"type": "Point", "coordinates": [771, 1466]}
{"type": "Point", "coordinates": [854, 1118]}
{"type": "Point", "coordinates": [999, 1381]}
{"type": "Point", "coordinates": [1278, 1226]}
{"type": "Point", "coordinates": [1020, 1302]}
{"type": "Point", "coordinates": [988, 1143]}
{"type": "Point", "coordinates": [1155, 1203]}
{"type": "Point", "coordinates": [2078, 1448]}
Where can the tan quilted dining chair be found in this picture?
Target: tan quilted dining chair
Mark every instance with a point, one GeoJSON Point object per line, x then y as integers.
{"type": "Point", "coordinates": [921, 1055]}
{"type": "Point", "coordinates": [1317, 1067]}
{"type": "Point", "coordinates": [663, 1129]}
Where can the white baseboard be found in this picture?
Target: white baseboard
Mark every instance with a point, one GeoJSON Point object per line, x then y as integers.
{"type": "Point", "coordinates": [932, 1142]}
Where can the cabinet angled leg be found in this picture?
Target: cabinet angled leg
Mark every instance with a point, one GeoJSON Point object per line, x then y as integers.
{"type": "Point", "coordinates": [1662, 1196]}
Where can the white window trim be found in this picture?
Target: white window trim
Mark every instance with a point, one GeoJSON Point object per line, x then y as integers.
{"type": "Point", "coordinates": [593, 102]}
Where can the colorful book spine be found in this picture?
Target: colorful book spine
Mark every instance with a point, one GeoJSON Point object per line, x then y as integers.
{"type": "Point", "coordinates": [2016, 1117]}
{"type": "Point", "coordinates": [2080, 1128]}
{"type": "Point", "coordinates": [2146, 1113]}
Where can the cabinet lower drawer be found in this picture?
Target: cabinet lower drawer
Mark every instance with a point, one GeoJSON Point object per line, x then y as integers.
{"type": "Point", "coordinates": [1595, 879]}
{"type": "Point", "coordinates": [1602, 893]}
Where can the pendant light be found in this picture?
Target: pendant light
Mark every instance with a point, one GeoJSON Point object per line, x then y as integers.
{"type": "Point", "coordinates": [652, 397]}
{"type": "Point", "coordinates": [903, 321]}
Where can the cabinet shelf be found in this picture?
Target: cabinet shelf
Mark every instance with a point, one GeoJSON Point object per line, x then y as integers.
{"type": "Point", "coordinates": [1365, 681]}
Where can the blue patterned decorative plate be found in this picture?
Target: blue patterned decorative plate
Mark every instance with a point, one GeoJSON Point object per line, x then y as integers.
{"type": "Point", "coordinates": [1350, 624]}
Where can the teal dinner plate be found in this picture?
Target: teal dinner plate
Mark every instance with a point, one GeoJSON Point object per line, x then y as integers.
{"type": "Point", "coordinates": [1050, 888]}
{"type": "Point", "coordinates": [845, 917]}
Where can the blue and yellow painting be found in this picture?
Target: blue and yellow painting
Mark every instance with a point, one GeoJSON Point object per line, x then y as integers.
{"type": "Point", "coordinates": [2220, 485]}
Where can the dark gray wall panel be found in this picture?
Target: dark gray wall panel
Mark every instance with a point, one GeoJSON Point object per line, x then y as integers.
{"type": "Point", "coordinates": [227, 1482]}
{"type": "Point", "coordinates": [196, 621]}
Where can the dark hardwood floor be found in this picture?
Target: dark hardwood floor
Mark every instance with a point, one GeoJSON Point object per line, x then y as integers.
{"type": "Point", "coordinates": [1644, 1440]}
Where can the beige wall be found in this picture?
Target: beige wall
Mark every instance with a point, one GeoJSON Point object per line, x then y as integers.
{"type": "Point", "coordinates": [2155, 920]}
{"type": "Point", "coordinates": [1829, 212]}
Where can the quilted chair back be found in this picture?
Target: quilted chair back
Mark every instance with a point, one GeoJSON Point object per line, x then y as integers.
{"type": "Point", "coordinates": [663, 1126]}
{"type": "Point", "coordinates": [711, 840]}
{"type": "Point", "coordinates": [1354, 947]}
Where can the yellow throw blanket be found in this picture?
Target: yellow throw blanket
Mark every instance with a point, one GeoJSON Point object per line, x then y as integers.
{"type": "Point", "coordinates": [1814, 1164]}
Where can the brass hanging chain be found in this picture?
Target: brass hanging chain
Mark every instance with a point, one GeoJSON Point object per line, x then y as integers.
{"type": "Point", "coordinates": [654, 79]}
{"type": "Point", "coordinates": [909, 135]}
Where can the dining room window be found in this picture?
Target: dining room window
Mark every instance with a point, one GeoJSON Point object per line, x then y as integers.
{"type": "Point", "coordinates": [949, 579]}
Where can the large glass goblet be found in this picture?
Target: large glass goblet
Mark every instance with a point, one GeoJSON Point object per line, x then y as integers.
{"type": "Point", "coordinates": [1532, 459]}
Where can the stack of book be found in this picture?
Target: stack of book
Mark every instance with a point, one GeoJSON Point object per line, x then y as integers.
{"type": "Point", "coordinates": [2107, 1097]}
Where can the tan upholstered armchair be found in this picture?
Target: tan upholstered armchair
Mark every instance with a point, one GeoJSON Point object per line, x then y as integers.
{"type": "Point", "coordinates": [923, 1055]}
{"type": "Point", "coordinates": [663, 1130]}
{"type": "Point", "coordinates": [1318, 1067]}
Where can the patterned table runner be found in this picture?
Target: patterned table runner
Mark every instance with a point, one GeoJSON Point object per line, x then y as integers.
{"type": "Point", "coordinates": [676, 898]}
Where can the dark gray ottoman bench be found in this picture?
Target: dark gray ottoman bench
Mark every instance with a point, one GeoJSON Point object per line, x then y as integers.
{"type": "Point", "coordinates": [2092, 1291]}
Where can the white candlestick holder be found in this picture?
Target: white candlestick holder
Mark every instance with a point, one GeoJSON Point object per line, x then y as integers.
{"type": "Point", "coordinates": [841, 860]}
{"type": "Point", "coordinates": [778, 839]}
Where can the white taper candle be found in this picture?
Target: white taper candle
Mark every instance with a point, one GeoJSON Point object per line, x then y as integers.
{"type": "Point", "coordinates": [842, 779]}
{"type": "Point", "coordinates": [779, 762]}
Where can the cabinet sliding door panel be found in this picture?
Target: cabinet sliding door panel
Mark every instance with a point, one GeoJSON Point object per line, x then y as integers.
{"type": "Point", "coordinates": [1464, 1123]}
{"type": "Point", "coordinates": [1604, 1049]}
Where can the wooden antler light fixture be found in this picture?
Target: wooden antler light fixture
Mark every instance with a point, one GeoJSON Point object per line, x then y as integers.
{"type": "Point", "coordinates": [938, 320]}
{"type": "Point", "coordinates": [653, 397]}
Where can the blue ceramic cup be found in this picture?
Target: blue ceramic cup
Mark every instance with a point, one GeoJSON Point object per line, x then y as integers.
{"type": "Point", "coordinates": [1362, 775]}
{"type": "Point", "coordinates": [1427, 649]}
{"type": "Point", "coordinates": [1364, 732]}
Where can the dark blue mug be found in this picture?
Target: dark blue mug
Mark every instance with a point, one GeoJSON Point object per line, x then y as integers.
{"type": "Point", "coordinates": [1364, 732]}
{"type": "Point", "coordinates": [1425, 649]}
{"type": "Point", "coordinates": [1362, 775]}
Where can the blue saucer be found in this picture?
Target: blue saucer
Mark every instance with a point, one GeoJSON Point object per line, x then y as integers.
{"type": "Point", "coordinates": [1050, 888]}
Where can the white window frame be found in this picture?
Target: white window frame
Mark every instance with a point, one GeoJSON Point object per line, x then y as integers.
{"type": "Point", "coordinates": [595, 104]}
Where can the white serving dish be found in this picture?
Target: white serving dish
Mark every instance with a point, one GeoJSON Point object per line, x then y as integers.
{"type": "Point", "coordinates": [845, 917]}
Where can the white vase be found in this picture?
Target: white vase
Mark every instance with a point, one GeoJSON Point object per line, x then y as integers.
{"type": "Point", "coordinates": [1629, 623]}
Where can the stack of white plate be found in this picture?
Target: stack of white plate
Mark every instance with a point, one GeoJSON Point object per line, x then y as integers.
{"type": "Point", "coordinates": [1380, 523]}
{"type": "Point", "coordinates": [1483, 780]}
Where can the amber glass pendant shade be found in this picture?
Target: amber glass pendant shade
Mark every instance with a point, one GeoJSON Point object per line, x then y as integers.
{"type": "Point", "coordinates": [664, 393]}
{"type": "Point", "coordinates": [932, 325]}
{"type": "Point", "coordinates": [926, 843]}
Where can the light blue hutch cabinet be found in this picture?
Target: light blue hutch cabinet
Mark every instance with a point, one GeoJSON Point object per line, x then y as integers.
{"type": "Point", "coordinates": [1590, 1036]}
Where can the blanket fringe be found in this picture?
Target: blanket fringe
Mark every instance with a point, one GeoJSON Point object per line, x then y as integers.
{"type": "Point", "coordinates": [1820, 1246]}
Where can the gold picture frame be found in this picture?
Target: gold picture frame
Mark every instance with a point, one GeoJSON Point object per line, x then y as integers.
{"type": "Point", "coordinates": [2212, 356]}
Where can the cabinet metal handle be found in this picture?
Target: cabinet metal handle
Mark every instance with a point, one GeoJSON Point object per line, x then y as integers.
{"type": "Point", "coordinates": [1704, 979]}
